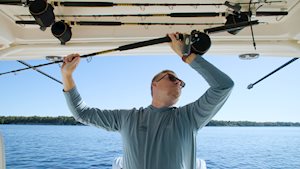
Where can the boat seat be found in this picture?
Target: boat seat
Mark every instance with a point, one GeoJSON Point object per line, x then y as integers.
{"type": "Point", "coordinates": [118, 163]}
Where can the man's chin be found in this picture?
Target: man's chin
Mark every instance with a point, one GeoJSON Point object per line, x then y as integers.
{"type": "Point", "coordinates": [176, 98]}
{"type": "Point", "coordinates": [177, 95]}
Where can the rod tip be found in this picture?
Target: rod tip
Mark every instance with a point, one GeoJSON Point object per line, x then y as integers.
{"type": "Point", "coordinates": [250, 86]}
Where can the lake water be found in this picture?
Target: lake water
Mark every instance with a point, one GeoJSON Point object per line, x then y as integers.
{"type": "Point", "coordinates": [83, 147]}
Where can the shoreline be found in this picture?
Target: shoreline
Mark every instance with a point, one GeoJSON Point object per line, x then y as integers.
{"type": "Point", "coordinates": [69, 120]}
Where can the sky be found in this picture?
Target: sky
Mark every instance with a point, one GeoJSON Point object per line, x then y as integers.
{"type": "Point", "coordinates": [123, 82]}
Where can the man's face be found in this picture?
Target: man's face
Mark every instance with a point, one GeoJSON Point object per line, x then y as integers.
{"type": "Point", "coordinates": [168, 86]}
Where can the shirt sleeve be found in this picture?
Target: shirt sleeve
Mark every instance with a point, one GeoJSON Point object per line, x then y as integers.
{"type": "Point", "coordinates": [110, 120]}
{"type": "Point", "coordinates": [200, 112]}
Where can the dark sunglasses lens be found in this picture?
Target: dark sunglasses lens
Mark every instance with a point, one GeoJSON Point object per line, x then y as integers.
{"type": "Point", "coordinates": [172, 78]}
{"type": "Point", "coordinates": [182, 84]}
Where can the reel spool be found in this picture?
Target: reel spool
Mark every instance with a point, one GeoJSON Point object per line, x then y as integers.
{"type": "Point", "coordinates": [198, 43]}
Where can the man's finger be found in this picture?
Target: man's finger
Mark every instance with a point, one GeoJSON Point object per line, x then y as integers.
{"type": "Point", "coordinates": [172, 37]}
{"type": "Point", "coordinates": [76, 60]}
{"type": "Point", "coordinates": [70, 57]}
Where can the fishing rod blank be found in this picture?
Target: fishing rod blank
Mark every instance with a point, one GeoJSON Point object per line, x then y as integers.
{"type": "Point", "coordinates": [250, 86]}
{"type": "Point", "coordinates": [43, 73]}
{"type": "Point", "coordinates": [111, 4]}
{"type": "Point", "coordinates": [32, 67]}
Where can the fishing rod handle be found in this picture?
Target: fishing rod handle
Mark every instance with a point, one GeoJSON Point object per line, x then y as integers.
{"type": "Point", "coordinates": [84, 4]}
{"type": "Point", "coordinates": [145, 43]}
{"type": "Point", "coordinates": [11, 2]}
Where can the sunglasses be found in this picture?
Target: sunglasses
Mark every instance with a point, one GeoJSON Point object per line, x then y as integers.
{"type": "Point", "coordinates": [173, 78]}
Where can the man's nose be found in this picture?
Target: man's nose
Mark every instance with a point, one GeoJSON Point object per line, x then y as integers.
{"type": "Point", "coordinates": [177, 82]}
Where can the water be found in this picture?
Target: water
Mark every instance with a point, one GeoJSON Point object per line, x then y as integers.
{"type": "Point", "coordinates": [83, 147]}
{"type": "Point", "coordinates": [250, 147]}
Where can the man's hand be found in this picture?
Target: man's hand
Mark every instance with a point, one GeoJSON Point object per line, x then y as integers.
{"type": "Point", "coordinates": [177, 46]}
{"type": "Point", "coordinates": [70, 63]}
{"type": "Point", "coordinates": [67, 69]}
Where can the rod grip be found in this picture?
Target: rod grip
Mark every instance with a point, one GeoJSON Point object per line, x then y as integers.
{"type": "Point", "coordinates": [99, 23]}
{"type": "Point", "coordinates": [145, 43]}
{"type": "Point", "coordinates": [11, 2]}
{"type": "Point", "coordinates": [204, 14]}
{"type": "Point", "coordinates": [88, 4]}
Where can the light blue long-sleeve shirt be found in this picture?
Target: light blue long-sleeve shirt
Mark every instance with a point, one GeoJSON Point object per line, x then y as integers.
{"type": "Point", "coordinates": [159, 138]}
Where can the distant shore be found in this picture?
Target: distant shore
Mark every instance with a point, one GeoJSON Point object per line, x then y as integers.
{"type": "Point", "coordinates": [68, 120]}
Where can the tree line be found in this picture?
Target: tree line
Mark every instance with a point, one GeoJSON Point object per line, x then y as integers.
{"type": "Point", "coordinates": [60, 120]}
{"type": "Point", "coordinates": [66, 120]}
{"type": "Point", "coordinates": [251, 123]}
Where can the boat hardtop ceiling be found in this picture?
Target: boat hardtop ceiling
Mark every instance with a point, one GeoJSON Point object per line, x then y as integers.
{"type": "Point", "coordinates": [31, 30]}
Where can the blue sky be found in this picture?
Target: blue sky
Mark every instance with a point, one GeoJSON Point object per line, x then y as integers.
{"type": "Point", "coordinates": [117, 82]}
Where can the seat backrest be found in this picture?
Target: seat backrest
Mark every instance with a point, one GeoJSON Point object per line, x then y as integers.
{"type": "Point", "coordinates": [2, 153]}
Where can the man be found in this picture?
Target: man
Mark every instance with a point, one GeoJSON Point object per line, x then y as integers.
{"type": "Point", "coordinates": [159, 136]}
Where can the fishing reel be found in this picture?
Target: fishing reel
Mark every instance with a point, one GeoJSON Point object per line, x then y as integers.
{"type": "Point", "coordinates": [197, 42]}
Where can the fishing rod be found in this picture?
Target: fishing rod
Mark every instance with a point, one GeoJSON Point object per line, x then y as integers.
{"type": "Point", "coordinates": [58, 59]}
{"type": "Point", "coordinates": [175, 15]}
{"type": "Point", "coordinates": [111, 4]}
{"type": "Point", "coordinates": [250, 86]}
{"type": "Point", "coordinates": [227, 27]}
{"type": "Point", "coordinates": [201, 45]}
{"type": "Point", "coordinates": [113, 23]}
